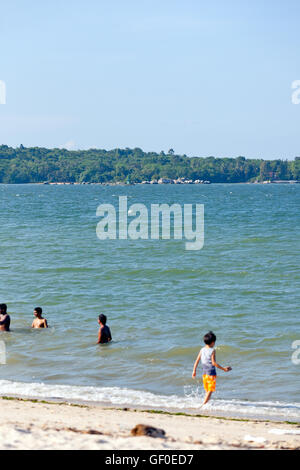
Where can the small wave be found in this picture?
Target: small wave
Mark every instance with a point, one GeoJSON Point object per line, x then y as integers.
{"type": "Point", "coordinates": [190, 401]}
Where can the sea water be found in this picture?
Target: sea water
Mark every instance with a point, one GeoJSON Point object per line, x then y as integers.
{"type": "Point", "coordinates": [160, 299]}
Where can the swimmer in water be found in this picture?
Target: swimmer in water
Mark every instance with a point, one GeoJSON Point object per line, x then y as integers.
{"type": "Point", "coordinates": [4, 318]}
{"type": "Point", "coordinates": [39, 321]}
{"type": "Point", "coordinates": [104, 335]}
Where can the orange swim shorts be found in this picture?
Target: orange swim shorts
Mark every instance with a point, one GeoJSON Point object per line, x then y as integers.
{"type": "Point", "coordinates": [209, 383]}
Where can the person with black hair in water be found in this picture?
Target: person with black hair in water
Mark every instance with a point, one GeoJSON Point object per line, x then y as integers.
{"type": "Point", "coordinates": [39, 321]}
{"type": "Point", "coordinates": [207, 355]}
{"type": "Point", "coordinates": [104, 335]}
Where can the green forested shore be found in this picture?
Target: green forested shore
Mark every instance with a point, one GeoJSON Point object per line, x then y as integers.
{"type": "Point", "coordinates": [36, 165]}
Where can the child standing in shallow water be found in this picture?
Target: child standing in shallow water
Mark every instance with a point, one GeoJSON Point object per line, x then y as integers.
{"type": "Point", "coordinates": [207, 355]}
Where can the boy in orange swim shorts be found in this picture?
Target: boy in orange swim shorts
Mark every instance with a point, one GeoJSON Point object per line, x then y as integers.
{"type": "Point", "coordinates": [207, 355]}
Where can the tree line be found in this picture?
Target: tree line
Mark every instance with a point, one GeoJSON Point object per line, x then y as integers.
{"type": "Point", "coordinates": [37, 165]}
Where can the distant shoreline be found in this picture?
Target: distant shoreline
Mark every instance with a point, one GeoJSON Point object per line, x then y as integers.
{"type": "Point", "coordinates": [37, 164]}
{"type": "Point", "coordinates": [119, 183]}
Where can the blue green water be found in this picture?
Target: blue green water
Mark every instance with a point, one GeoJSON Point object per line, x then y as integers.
{"type": "Point", "coordinates": [159, 298]}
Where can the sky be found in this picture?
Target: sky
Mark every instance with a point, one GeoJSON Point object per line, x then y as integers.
{"type": "Point", "coordinates": [202, 77]}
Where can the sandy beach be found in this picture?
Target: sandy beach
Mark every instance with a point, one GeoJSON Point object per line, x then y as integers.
{"type": "Point", "coordinates": [28, 425]}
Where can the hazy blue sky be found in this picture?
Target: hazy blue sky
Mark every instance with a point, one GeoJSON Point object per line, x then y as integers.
{"type": "Point", "coordinates": [203, 77]}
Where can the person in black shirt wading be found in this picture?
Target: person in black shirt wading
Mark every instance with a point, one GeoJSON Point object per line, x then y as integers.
{"type": "Point", "coordinates": [104, 335]}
